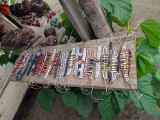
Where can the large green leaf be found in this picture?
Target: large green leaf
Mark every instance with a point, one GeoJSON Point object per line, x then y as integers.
{"type": "Point", "coordinates": [105, 108]}
{"type": "Point", "coordinates": [158, 74]}
{"type": "Point", "coordinates": [147, 48]}
{"type": "Point", "coordinates": [85, 105]}
{"type": "Point", "coordinates": [139, 40]}
{"type": "Point", "coordinates": [63, 16]}
{"type": "Point", "coordinates": [155, 84]}
{"type": "Point", "coordinates": [144, 64]}
{"type": "Point", "coordinates": [113, 104]}
{"type": "Point", "coordinates": [120, 9]}
{"type": "Point", "coordinates": [148, 100]}
{"type": "Point", "coordinates": [152, 30]}
{"type": "Point", "coordinates": [156, 58]}
{"type": "Point", "coordinates": [70, 99]}
{"type": "Point", "coordinates": [4, 59]}
{"type": "Point", "coordinates": [46, 97]}
{"type": "Point", "coordinates": [158, 102]}
{"type": "Point", "coordinates": [119, 101]}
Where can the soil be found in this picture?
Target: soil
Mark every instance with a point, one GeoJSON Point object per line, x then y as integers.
{"type": "Point", "coordinates": [30, 108]}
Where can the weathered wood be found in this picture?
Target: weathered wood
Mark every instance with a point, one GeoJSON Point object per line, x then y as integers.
{"type": "Point", "coordinates": [96, 18]}
{"type": "Point", "coordinates": [8, 24]}
{"type": "Point", "coordinates": [11, 99]}
{"type": "Point", "coordinates": [74, 81]}
{"type": "Point", "coordinates": [75, 15]}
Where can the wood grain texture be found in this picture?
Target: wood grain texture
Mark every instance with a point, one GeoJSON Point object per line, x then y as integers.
{"type": "Point", "coordinates": [74, 81]}
{"type": "Point", "coordinates": [11, 99]}
{"type": "Point", "coordinates": [76, 17]}
{"type": "Point", "coordinates": [96, 18]}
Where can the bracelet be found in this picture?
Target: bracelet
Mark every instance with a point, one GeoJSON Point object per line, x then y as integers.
{"type": "Point", "coordinates": [104, 63]}
{"type": "Point", "coordinates": [86, 63]}
{"type": "Point", "coordinates": [98, 61]}
{"type": "Point", "coordinates": [50, 64]}
{"type": "Point", "coordinates": [66, 67]}
{"type": "Point", "coordinates": [53, 63]}
{"type": "Point", "coordinates": [114, 66]}
{"type": "Point", "coordinates": [56, 67]}
{"type": "Point", "coordinates": [91, 66]}
{"type": "Point", "coordinates": [76, 61]}
{"type": "Point", "coordinates": [71, 62]}
{"type": "Point", "coordinates": [83, 63]}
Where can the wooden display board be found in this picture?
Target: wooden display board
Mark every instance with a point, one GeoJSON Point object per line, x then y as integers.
{"type": "Point", "coordinates": [74, 81]}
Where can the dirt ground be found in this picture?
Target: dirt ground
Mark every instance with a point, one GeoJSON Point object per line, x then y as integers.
{"type": "Point", "coordinates": [30, 108]}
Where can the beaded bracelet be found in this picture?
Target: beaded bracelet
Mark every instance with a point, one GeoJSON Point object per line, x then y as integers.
{"type": "Point", "coordinates": [124, 63]}
{"type": "Point", "coordinates": [71, 61]}
{"type": "Point", "coordinates": [39, 64]}
{"type": "Point", "coordinates": [23, 62]}
{"type": "Point", "coordinates": [18, 63]}
{"type": "Point", "coordinates": [83, 63]}
{"type": "Point", "coordinates": [26, 68]}
{"type": "Point", "coordinates": [98, 61]}
{"type": "Point", "coordinates": [50, 64]}
{"type": "Point", "coordinates": [60, 65]}
{"type": "Point", "coordinates": [53, 63]}
{"type": "Point", "coordinates": [104, 63]}
{"type": "Point", "coordinates": [46, 63]}
{"type": "Point", "coordinates": [86, 63]}
{"type": "Point", "coordinates": [66, 66]}
{"type": "Point", "coordinates": [79, 61]}
{"type": "Point", "coordinates": [43, 63]}
{"type": "Point", "coordinates": [91, 66]}
{"type": "Point", "coordinates": [56, 67]}
{"type": "Point", "coordinates": [39, 55]}
{"type": "Point", "coordinates": [114, 66]}
{"type": "Point", "coordinates": [76, 61]}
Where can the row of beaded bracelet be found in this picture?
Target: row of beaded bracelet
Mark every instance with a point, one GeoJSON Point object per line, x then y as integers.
{"type": "Point", "coordinates": [62, 63]}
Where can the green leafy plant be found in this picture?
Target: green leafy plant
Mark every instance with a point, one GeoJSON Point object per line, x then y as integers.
{"type": "Point", "coordinates": [117, 11]}
{"type": "Point", "coordinates": [9, 56]}
{"type": "Point", "coordinates": [69, 29]}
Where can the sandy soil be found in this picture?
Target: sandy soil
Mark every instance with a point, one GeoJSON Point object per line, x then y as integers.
{"type": "Point", "coordinates": [30, 109]}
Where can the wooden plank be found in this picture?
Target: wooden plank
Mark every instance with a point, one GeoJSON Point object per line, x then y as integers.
{"type": "Point", "coordinates": [98, 83]}
{"type": "Point", "coordinates": [11, 99]}
{"type": "Point", "coordinates": [96, 18]}
{"type": "Point", "coordinates": [8, 24]}
{"type": "Point", "coordinates": [75, 15]}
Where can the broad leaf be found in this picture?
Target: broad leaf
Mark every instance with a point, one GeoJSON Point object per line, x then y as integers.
{"type": "Point", "coordinates": [105, 108]}
{"type": "Point", "coordinates": [158, 74]}
{"type": "Point", "coordinates": [70, 99]}
{"type": "Point", "coordinates": [98, 94]}
{"type": "Point", "coordinates": [155, 84]}
{"type": "Point", "coordinates": [63, 16]}
{"type": "Point", "coordinates": [146, 48]}
{"type": "Point", "coordinates": [144, 64]}
{"type": "Point", "coordinates": [152, 30]}
{"type": "Point", "coordinates": [139, 40]}
{"type": "Point", "coordinates": [119, 101]}
{"type": "Point", "coordinates": [85, 105]}
{"type": "Point", "coordinates": [4, 59]}
{"type": "Point", "coordinates": [158, 102]}
{"type": "Point", "coordinates": [156, 58]}
{"type": "Point", "coordinates": [147, 101]}
{"type": "Point", "coordinates": [46, 99]}
{"type": "Point", "coordinates": [113, 104]}
{"type": "Point", "coordinates": [120, 9]}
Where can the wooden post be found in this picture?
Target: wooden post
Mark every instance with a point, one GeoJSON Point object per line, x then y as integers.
{"type": "Point", "coordinates": [96, 18]}
{"type": "Point", "coordinates": [76, 17]}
